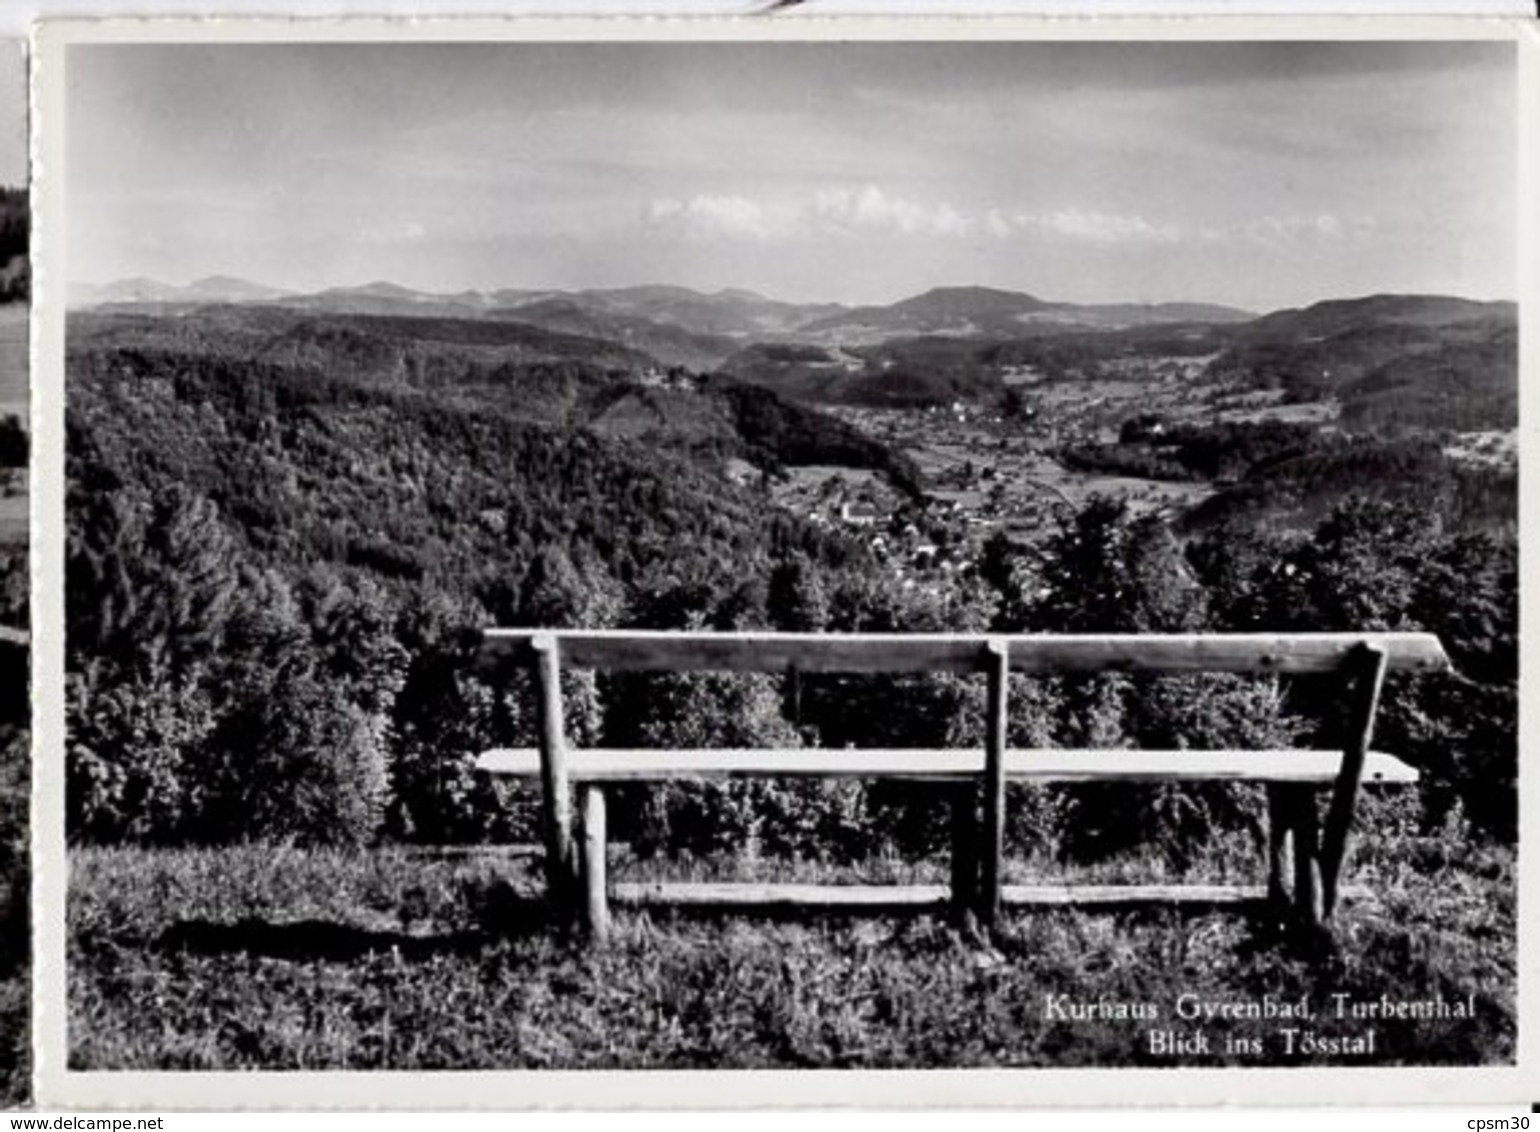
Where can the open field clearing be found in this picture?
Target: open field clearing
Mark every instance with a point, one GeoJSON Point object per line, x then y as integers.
{"type": "Point", "coordinates": [1103, 404]}
{"type": "Point", "coordinates": [1019, 456]}
{"type": "Point", "coordinates": [256, 957]}
{"type": "Point", "coordinates": [804, 488]}
{"type": "Point", "coordinates": [1306, 412]}
{"type": "Point", "coordinates": [1047, 475]}
{"type": "Point", "coordinates": [1029, 476]}
{"type": "Point", "coordinates": [1497, 449]}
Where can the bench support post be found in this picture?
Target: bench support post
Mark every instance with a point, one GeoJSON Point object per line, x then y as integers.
{"type": "Point", "coordinates": [556, 798]}
{"type": "Point", "coordinates": [997, 660]}
{"type": "Point", "coordinates": [1305, 830]}
{"type": "Point", "coordinates": [965, 851]}
{"type": "Point", "coordinates": [1279, 888]}
{"type": "Point", "coordinates": [1366, 668]}
{"type": "Point", "coordinates": [596, 909]}
{"type": "Point", "coordinates": [1293, 852]}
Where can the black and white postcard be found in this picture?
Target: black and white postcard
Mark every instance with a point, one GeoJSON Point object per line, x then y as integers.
{"type": "Point", "coordinates": [830, 547]}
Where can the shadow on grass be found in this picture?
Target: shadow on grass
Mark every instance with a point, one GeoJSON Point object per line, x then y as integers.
{"type": "Point", "coordinates": [319, 940]}
{"type": "Point", "coordinates": [505, 916]}
{"type": "Point", "coordinates": [1271, 937]}
{"type": "Point", "coordinates": [1266, 934]}
{"type": "Point", "coordinates": [311, 940]}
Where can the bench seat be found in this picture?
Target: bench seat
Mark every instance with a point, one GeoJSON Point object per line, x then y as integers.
{"type": "Point", "coordinates": [1057, 765]}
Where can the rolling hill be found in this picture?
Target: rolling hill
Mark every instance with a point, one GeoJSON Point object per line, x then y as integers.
{"type": "Point", "coordinates": [1464, 385]}
{"type": "Point", "coordinates": [1339, 316]}
{"type": "Point", "coordinates": [152, 292]}
{"type": "Point", "coordinates": [1395, 361]}
{"type": "Point", "coordinates": [732, 313]}
{"type": "Point", "coordinates": [523, 372]}
{"type": "Point", "coordinates": [422, 351]}
{"type": "Point", "coordinates": [1326, 349]}
{"type": "Point", "coordinates": [670, 343]}
{"type": "Point", "coordinates": [675, 325]}
{"type": "Point", "coordinates": [983, 312]}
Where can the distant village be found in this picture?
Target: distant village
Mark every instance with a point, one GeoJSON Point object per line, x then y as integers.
{"type": "Point", "coordinates": [989, 471]}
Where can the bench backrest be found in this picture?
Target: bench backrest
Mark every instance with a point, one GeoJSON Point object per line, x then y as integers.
{"type": "Point", "coordinates": [667, 651]}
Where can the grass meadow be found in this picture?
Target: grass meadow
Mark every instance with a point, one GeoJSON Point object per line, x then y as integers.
{"type": "Point", "coordinates": [283, 958]}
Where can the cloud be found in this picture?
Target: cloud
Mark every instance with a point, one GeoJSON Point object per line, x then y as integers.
{"type": "Point", "coordinates": [392, 232]}
{"type": "Point", "coordinates": [839, 210]}
{"type": "Point", "coordinates": [704, 215]}
{"type": "Point", "coordinates": [1324, 226]}
{"type": "Point", "coordinates": [1107, 229]}
{"type": "Point", "coordinates": [1083, 226]}
{"type": "Point", "coordinates": [870, 208]}
{"type": "Point", "coordinates": [850, 211]}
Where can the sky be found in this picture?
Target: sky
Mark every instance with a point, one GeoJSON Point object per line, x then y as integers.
{"type": "Point", "coordinates": [1262, 175]}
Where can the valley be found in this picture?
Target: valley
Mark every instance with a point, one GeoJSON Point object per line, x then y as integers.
{"type": "Point", "coordinates": [1005, 462]}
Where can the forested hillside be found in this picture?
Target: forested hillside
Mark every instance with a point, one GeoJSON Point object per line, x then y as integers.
{"type": "Point", "coordinates": [1278, 475]}
{"type": "Point", "coordinates": [1464, 385]}
{"type": "Point", "coordinates": [225, 515]}
{"type": "Point", "coordinates": [1334, 347]}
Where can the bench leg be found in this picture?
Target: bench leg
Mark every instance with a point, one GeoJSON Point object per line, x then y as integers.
{"type": "Point", "coordinates": [1305, 828]}
{"type": "Point", "coordinates": [992, 843]}
{"type": "Point", "coordinates": [1367, 667]}
{"type": "Point", "coordinates": [1278, 885]}
{"type": "Point", "coordinates": [965, 851]}
{"type": "Point", "coordinates": [596, 909]}
{"type": "Point", "coordinates": [1294, 886]}
{"type": "Point", "coordinates": [556, 798]}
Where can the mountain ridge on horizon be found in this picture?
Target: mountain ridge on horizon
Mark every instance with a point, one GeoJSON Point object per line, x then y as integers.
{"type": "Point", "coordinates": [1386, 357]}
{"type": "Point", "coordinates": [682, 326]}
{"type": "Point", "coordinates": [84, 293]}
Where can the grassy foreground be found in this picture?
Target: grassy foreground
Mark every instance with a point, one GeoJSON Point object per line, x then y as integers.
{"type": "Point", "coordinates": [281, 958]}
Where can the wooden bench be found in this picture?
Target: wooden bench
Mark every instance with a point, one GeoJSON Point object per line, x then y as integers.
{"type": "Point", "coordinates": [975, 779]}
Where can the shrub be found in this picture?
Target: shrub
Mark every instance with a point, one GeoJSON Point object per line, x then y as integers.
{"type": "Point", "coordinates": [297, 765]}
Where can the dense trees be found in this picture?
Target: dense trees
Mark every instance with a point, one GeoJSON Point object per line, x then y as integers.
{"type": "Point", "coordinates": [275, 573]}
{"type": "Point", "coordinates": [270, 568]}
{"type": "Point", "coordinates": [1274, 473]}
{"type": "Point", "coordinates": [787, 434]}
{"type": "Point", "coordinates": [15, 236]}
{"type": "Point", "coordinates": [1460, 386]}
{"type": "Point", "coordinates": [1378, 565]}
